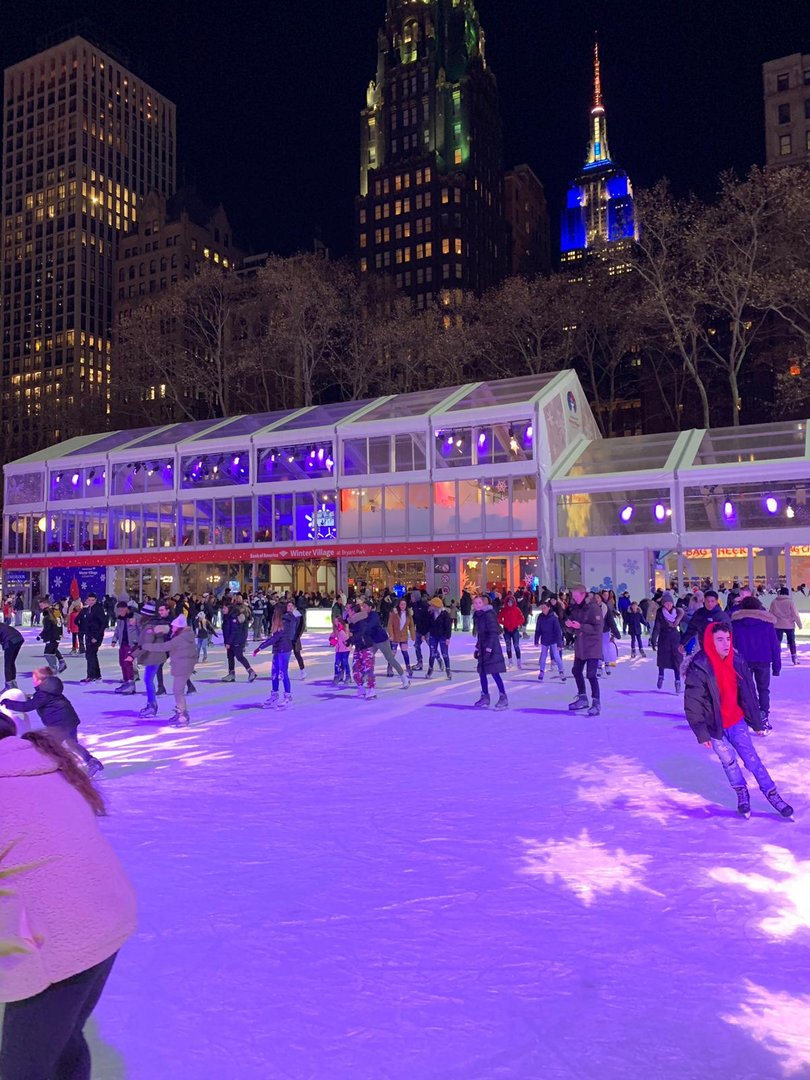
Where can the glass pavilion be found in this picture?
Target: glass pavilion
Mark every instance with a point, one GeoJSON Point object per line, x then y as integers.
{"type": "Point", "coordinates": [444, 488]}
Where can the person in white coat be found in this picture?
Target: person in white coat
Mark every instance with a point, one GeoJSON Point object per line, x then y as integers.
{"type": "Point", "coordinates": [66, 907]}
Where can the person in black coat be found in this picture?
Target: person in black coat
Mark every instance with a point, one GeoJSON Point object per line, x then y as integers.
{"type": "Point", "coordinates": [721, 705]}
{"type": "Point", "coordinates": [703, 617]}
{"type": "Point", "coordinates": [11, 641]}
{"type": "Point", "coordinates": [298, 631]}
{"type": "Point", "coordinates": [488, 652]}
{"type": "Point", "coordinates": [235, 626]}
{"type": "Point", "coordinates": [634, 620]}
{"type": "Point", "coordinates": [51, 633]}
{"type": "Point", "coordinates": [421, 621]}
{"type": "Point", "coordinates": [549, 636]}
{"type": "Point", "coordinates": [56, 713]}
{"type": "Point", "coordinates": [666, 640]}
{"type": "Point", "coordinates": [465, 606]}
{"type": "Point", "coordinates": [439, 636]}
{"type": "Point", "coordinates": [94, 625]}
{"type": "Point", "coordinates": [755, 640]}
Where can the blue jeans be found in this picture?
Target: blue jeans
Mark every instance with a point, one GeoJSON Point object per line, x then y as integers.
{"type": "Point", "coordinates": [202, 648]}
{"type": "Point", "coordinates": [281, 667]}
{"type": "Point", "coordinates": [465, 623]}
{"type": "Point", "coordinates": [555, 658]}
{"type": "Point", "coordinates": [738, 738]}
{"type": "Point", "coordinates": [512, 637]}
{"type": "Point", "coordinates": [436, 646]}
{"type": "Point", "coordinates": [420, 638]}
{"type": "Point", "coordinates": [149, 676]}
{"type": "Point", "coordinates": [342, 666]}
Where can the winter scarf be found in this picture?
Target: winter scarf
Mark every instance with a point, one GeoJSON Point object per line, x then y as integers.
{"type": "Point", "coordinates": [727, 685]}
{"type": "Point", "coordinates": [670, 616]}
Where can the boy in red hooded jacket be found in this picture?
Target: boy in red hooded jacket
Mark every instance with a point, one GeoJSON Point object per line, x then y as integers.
{"type": "Point", "coordinates": [721, 704]}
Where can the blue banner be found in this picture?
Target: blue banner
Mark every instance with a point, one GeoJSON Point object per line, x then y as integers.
{"type": "Point", "coordinates": [66, 580]}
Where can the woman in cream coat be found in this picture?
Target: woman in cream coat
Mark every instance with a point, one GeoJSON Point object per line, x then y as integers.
{"type": "Point", "coordinates": [66, 907]}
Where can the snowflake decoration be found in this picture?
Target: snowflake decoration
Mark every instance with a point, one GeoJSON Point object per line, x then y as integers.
{"type": "Point", "coordinates": [791, 883]}
{"type": "Point", "coordinates": [321, 524]}
{"type": "Point", "coordinates": [779, 1022]}
{"type": "Point", "coordinates": [586, 866]}
{"type": "Point", "coordinates": [631, 567]}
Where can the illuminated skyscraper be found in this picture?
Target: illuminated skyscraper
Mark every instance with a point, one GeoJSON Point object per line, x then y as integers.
{"type": "Point", "coordinates": [84, 140]}
{"type": "Point", "coordinates": [599, 217]}
{"type": "Point", "coordinates": [430, 208]}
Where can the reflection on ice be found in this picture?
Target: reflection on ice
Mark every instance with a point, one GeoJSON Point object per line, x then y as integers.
{"type": "Point", "coordinates": [778, 1022]}
{"type": "Point", "coordinates": [792, 885]}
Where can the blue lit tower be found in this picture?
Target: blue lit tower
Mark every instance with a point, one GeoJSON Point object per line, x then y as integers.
{"type": "Point", "coordinates": [599, 217]}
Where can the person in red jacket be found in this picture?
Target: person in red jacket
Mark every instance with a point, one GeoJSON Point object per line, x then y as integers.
{"type": "Point", "coordinates": [511, 619]}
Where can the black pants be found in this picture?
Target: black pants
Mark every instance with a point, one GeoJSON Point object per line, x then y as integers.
{"type": "Point", "coordinates": [10, 660]}
{"type": "Point", "coordinates": [43, 1035]}
{"type": "Point", "coordinates": [589, 667]}
{"type": "Point", "coordinates": [635, 641]}
{"type": "Point", "coordinates": [91, 653]}
{"type": "Point", "coordinates": [791, 640]}
{"type": "Point", "coordinates": [237, 652]}
{"type": "Point", "coordinates": [297, 654]}
{"type": "Point", "coordinates": [52, 649]}
{"type": "Point", "coordinates": [762, 678]}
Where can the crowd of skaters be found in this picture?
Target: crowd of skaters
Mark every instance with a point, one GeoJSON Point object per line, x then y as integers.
{"type": "Point", "coordinates": [721, 654]}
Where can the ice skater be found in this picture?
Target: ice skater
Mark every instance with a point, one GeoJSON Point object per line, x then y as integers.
{"type": "Point", "coordinates": [585, 620]}
{"type": "Point", "coordinates": [363, 664]}
{"type": "Point", "coordinates": [634, 622]}
{"type": "Point", "coordinates": [56, 713]}
{"type": "Point", "coordinates": [51, 634]}
{"type": "Point", "coordinates": [511, 618]}
{"type": "Point", "coordinates": [488, 653]}
{"type": "Point", "coordinates": [339, 641]}
{"type": "Point", "coordinates": [297, 633]}
{"type": "Point", "coordinates": [11, 641]}
{"type": "Point", "coordinates": [721, 704]}
{"type": "Point", "coordinates": [401, 630]}
{"type": "Point", "coordinates": [439, 637]}
{"type": "Point", "coordinates": [549, 636]}
{"type": "Point", "coordinates": [127, 637]}
{"type": "Point", "coordinates": [282, 630]}
{"type": "Point", "coordinates": [181, 650]}
{"type": "Point", "coordinates": [666, 640]}
{"type": "Point", "coordinates": [756, 641]}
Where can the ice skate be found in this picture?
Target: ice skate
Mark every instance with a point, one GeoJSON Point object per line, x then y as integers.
{"type": "Point", "coordinates": [230, 677]}
{"type": "Point", "coordinates": [743, 802]}
{"type": "Point", "coordinates": [370, 693]}
{"type": "Point", "coordinates": [11, 685]}
{"type": "Point", "coordinates": [779, 804]}
{"type": "Point", "coordinates": [127, 689]}
{"type": "Point", "coordinates": [502, 702]}
{"type": "Point", "coordinates": [180, 718]}
{"type": "Point", "coordinates": [440, 662]}
{"type": "Point", "coordinates": [418, 666]}
{"type": "Point", "coordinates": [361, 692]}
{"type": "Point", "coordinates": [579, 703]}
{"type": "Point", "coordinates": [285, 702]}
{"type": "Point", "coordinates": [483, 702]}
{"type": "Point", "coordinates": [519, 665]}
{"type": "Point", "coordinates": [677, 686]}
{"type": "Point", "coordinates": [62, 667]}
{"type": "Point", "coordinates": [632, 654]}
{"type": "Point", "coordinates": [337, 681]}
{"type": "Point", "coordinates": [642, 654]}
{"type": "Point", "coordinates": [607, 670]}
{"type": "Point", "coordinates": [766, 726]}
{"type": "Point", "coordinates": [448, 673]}
{"type": "Point", "coordinates": [191, 688]}
{"type": "Point", "coordinates": [509, 663]}
{"type": "Point", "coordinates": [390, 673]}
{"type": "Point", "coordinates": [429, 673]}
{"type": "Point", "coordinates": [660, 682]}
{"type": "Point", "coordinates": [252, 675]}
{"type": "Point", "coordinates": [162, 691]}
{"type": "Point", "coordinates": [594, 710]}
{"type": "Point", "coordinates": [150, 709]}
{"type": "Point", "coordinates": [302, 675]}
{"type": "Point", "coordinates": [404, 681]}
{"type": "Point", "coordinates": [94, 767]}
{"type": "Point", "coordinates": [794, 658]}
{"type": "Point", "coordinates": [272, 701]}
{"type": "Point", "coordinates": [541, 676]}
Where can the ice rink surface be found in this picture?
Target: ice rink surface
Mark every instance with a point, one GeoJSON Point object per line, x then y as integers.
{"type": "Point", "coordinates": [413, 889]}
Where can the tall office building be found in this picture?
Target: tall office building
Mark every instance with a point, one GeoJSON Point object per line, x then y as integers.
{"type": "Point", "coordinates": [526, 212]}
{"type": "Point", "coordinates": [430, 209]}
{"type": "Point", "coordinates": [84, 140]}
{"type": "Point", "coordinates": [786, 85]}
{"type": "Point", "coordinates": [599, 217]}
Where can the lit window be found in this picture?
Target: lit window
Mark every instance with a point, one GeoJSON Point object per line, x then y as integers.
{"type": "Point", "coordinates": [445, 196]}
{"type": "Point", "coordinates": [364, 266]}
{"type": "Point", "coordinates": [427, 176]}
{"type": "Point", "coordinates": [428, 250]}
{"type": "Point", "coordinates": [785, 145]}
{"type": "Point", "coordinates": [457, 157]}
{"type": "Point", "coordinates": [445, 247]}
{"type": "Point", "coordinates": [459, 245]}
{"type": "Point", "coordinates": [363, 240]}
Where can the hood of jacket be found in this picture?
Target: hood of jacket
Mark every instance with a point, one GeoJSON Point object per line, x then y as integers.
{"type": "Point", "coordinates": [753, 613]}
{"type": "Point", "coordinates": [19, 757]}
{"type": "Point", "coordinates": [52, 686]}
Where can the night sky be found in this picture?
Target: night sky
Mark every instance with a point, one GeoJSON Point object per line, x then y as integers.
{"type": "Point", "coordinates": [268, 92]}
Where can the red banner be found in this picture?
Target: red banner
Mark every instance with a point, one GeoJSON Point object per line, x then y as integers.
{"type": "Point", "coordinates": [160, 556]}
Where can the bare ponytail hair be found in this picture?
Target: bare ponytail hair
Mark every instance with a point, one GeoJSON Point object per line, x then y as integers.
{"type": "Point", "coordinates": [75, 776]}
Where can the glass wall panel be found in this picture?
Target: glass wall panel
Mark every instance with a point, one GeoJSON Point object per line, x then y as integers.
{"type": "Point", "coordinates": [77, 483]}
{"type": "Point", "coordinates": [25, 488]}
{"type": "Point", "coordinates": [497, 575]}
{"type": "Point", "coordinates": [472, 575]}
{"type": "Point", "coordinates": [223, 521]}
{"type": "Point", "coordinates": [444, 508]}
{"type": "Point", "coordinates": [469, 507]}
{"type": "Point", "coordinates": [350, 514]}
{"type": "Point", "coordinates": [325, 516]}
{"type": "Point", "coordinates": [264, 519]}
{"type": "Point", "coordinates": [396, 511]}
{"type": "Point", "coordinates": [409, 452]}
{"type": "Point", "coordinates": [379, 454]}
{"type": "Point", "coordinates": [305, 515]}
{"type": "Point", "coordinates": [243, 520]}
{"type": "Point", "coordinates": [496, 505]}
{"type": "Point", "coordinates": [186, 519]}
{"type": "Point", "coordinates": [168, 524]}
{"type": "Point", "coordinates": [724, 508]}
{"type": "Point", "coordinates": [99, 530]}
{"type": "Point", "coordinates": [309, 461]}
{"type": "Point", "coordinates": [355, 457]}
{"type": "Point", "coordinates": [205, 522]}
{"type": "Point", "coordinates": [620, 513]}
{"type": "Point", "coordinates": [151, 530]}
{"type": "Point", "coordinates": [215, 470]}
{"type": "Point", "coordinates": [283, 518]}
{"type": "Point", "coordinates": [524, 504]}
{"type": "Point", "coordinates": [419, 501]}
{"type": "Point", "coordinates": [142, 477]}
{"type": "Point", "coordinates": [371, 517]}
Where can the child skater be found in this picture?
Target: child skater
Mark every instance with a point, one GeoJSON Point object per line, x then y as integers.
{"type": "Point", "coordinates": [340, 643]}
{"type": "Point", "coordinates": [204, 631]}
{"type": "Point", "coordinates": [282, 631]}
{"type": "Point", "coordinates": [56, 713]}
{"type": "Point", "coordinates": [634, 619]}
